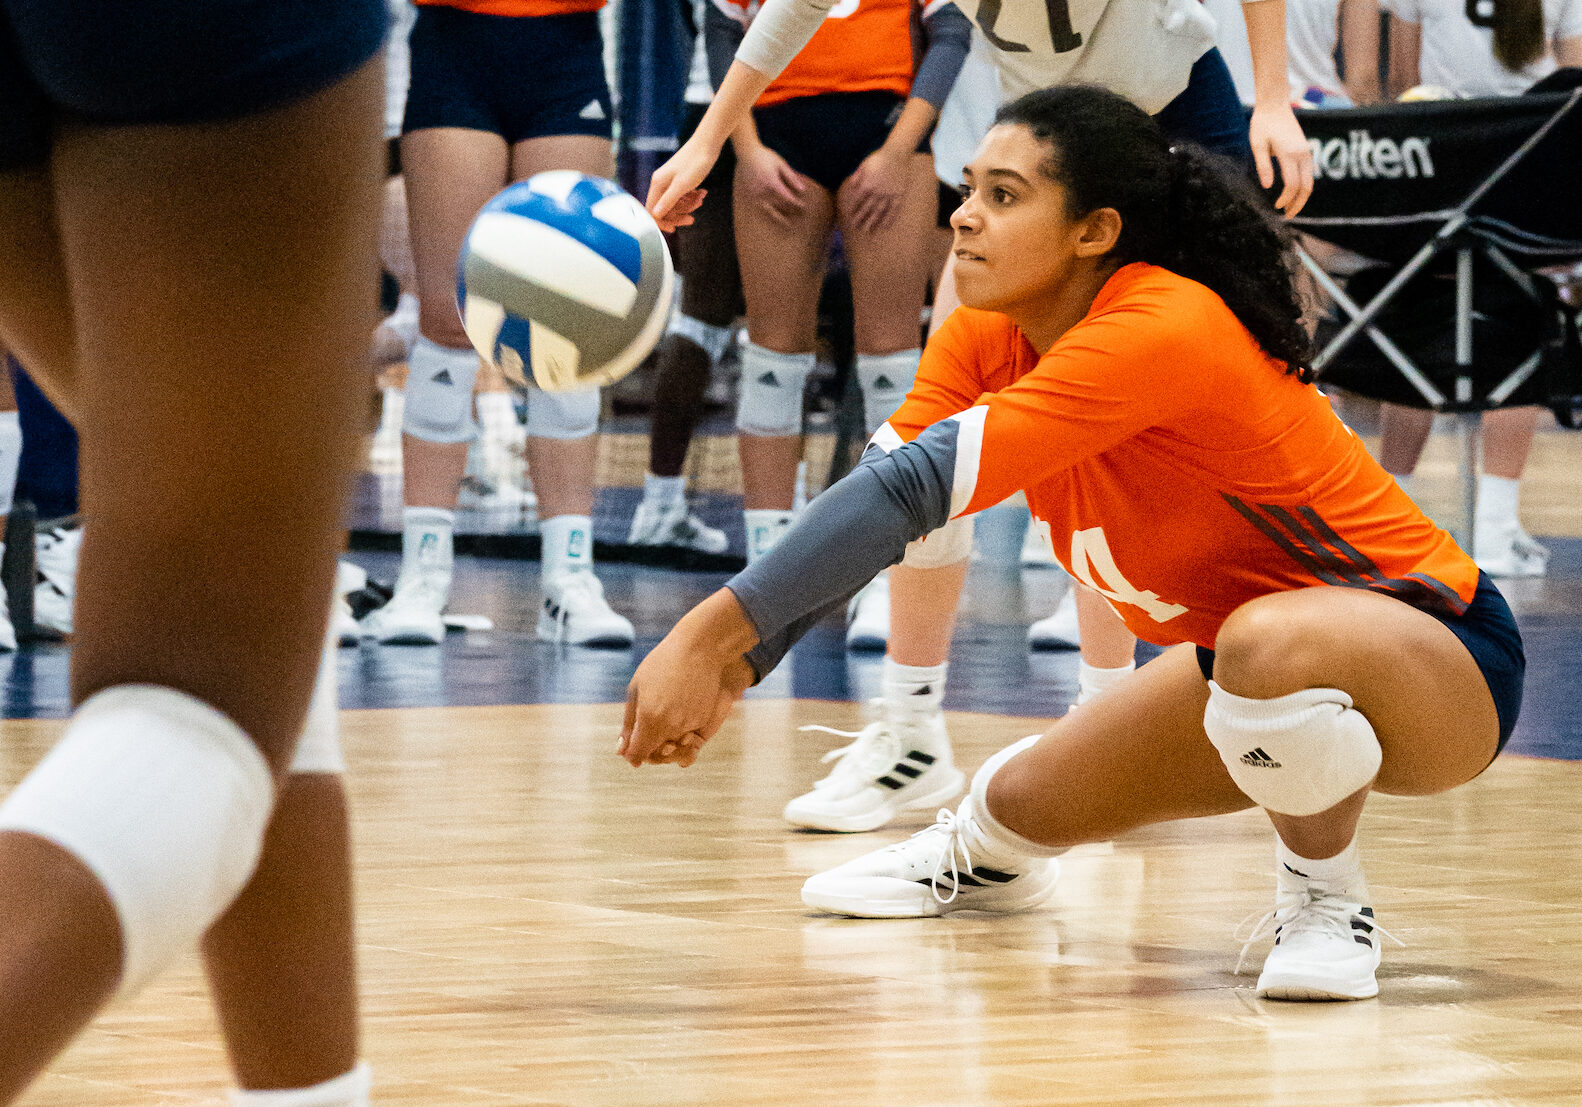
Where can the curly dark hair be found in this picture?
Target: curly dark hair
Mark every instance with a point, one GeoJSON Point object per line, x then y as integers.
{"type": "Point", "coordinates": [1181, 208]}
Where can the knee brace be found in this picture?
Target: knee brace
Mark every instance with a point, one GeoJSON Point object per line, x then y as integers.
{"type": "Point", "coordinates": [563, 415]}
{"type": "Point", "coordinates": [885, 380]}
{"type": "Point", "coordinates": [770, 404]}
{"type": "Point", "coordinates": [997, 833]}
{"type": "Point", "coordinates": [165, 800]}
{"type": "Point", "coordinates": [1294, 755]}
{"type": "Point", "coordinates": [319, 748]}
{"type": "Point", "coordinates": [949, 545]}
{"type": "Point", "coordinates": [439, 393]}
{"type": "Point", "coordinates": [707, 337]}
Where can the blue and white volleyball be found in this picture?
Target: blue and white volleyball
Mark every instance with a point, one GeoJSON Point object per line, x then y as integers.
{"type": "Point", "coordinates": [566, 277]}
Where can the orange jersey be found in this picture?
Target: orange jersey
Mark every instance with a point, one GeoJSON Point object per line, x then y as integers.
{"type": "Point", "coordinates": [1178, 468]}
{"type": "Point", "coordinates": [517, 7]}
{"type": "Point", "coordinates": [862, 46]}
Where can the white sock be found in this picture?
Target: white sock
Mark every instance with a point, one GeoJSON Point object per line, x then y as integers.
{"type": "Point", "coordinates": [1092, 680]}
{"type": "Point", "coordinates": [913, 689]}
{"type": "Point", "coordinates": [664, 491]}
{"type": "Point", "coordinates": [764, 529]}
{"type": "Point", "coordinates": [349, 1090]}
{"type": "Point", "coordinates": [992, 842]}
{"type": "Point", "coordinates": [1341, 873]}
{"type": "Point", "coordinates": [426, 542]}
{"type": "Point", "coordinates": [567, 544]}
{"type": "Point", "coordinates": [1497, 500]}
{"type": "Point", "coordinates": [10, 456]}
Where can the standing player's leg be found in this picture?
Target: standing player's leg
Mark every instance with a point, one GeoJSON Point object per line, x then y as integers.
{"type": "Point", "coordinates": [1500, 544]}
{"type": "Point", "coordinates": [10, 459]}
{"type": "Point", "coordinates": [563, 447]}
{"type": "Point", "coordinates": [196, 656]}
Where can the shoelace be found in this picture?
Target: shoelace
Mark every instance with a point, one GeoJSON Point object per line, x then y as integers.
{"type": "Point", "coordinates": [952, 826]}
{"type": "Point", "coordinates": [1297, 913]}
{"type": "Point", "coordinates": [872, 751]}
{"type": "Point", "coordinates": [583, 582]}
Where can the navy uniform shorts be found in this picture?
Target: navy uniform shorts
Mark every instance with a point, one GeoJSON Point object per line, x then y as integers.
{"type": "Point", "coordinates": [1488, 630]}
{"type": "Point", "coordinates": [168, 61]}
{"type": "Point", "coordinates": [519, 77]}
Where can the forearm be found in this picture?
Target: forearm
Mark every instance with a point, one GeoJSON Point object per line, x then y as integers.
{"type": "Point", "coordinates": [1266, 37]}
{"type": "Point", "coordinates": [910, 129]}
{"type": "Point", "coordinates": [731, 107]}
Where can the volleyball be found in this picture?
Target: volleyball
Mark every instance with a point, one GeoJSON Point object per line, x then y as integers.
{"type": "Point", "coordinates": [566, 277]}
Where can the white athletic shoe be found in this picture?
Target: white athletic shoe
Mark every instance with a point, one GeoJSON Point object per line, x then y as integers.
{"type": "Point", "coordinates": [1510, 553]}
{"type": "Point", "coordinates": [1059, 631]}
{"type": "Point", "coordinates": [1036, 553]}
{"type": "Point", "coordinates": [575, 612]}
{"type": "Point", "coordinates": [895, 764]}
{"type": "Point", "coordinates": [671, 524]}
{"type": "Point", "coordinates": [415, 614]}
{"type": "Point", "coordinates": [1326, 945]}
{"type": "Point", "coordinates": [868, 616]}
{"type": "Point", "coordinates": [931, 873]}
{"type": "Point", "coordinates": [56, 552]}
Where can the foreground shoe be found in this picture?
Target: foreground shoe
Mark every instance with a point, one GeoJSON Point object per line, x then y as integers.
{"type": "Point", "coordinates": [415, 614]}
{"type": "Point", "coordinates": [575, 612]}
{"type": "Point", "coordinates": [868, 616]}
{"type": "Point", "coordinates": [1326, 946]}
{"type": "Point", "coordinates": [671, 524]}
{"type": "Point", "coordinates": [929, 874]}
{"type": "Point", "coordinates": [1059, 631]}
{"type": "Point", "coordinates": [895, 765]}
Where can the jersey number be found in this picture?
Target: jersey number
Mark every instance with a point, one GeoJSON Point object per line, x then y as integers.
{"type": "Point", "coordinates": [1094, 565]}
{"type": "Point", "coordinates": [1061, 36]}
{"type": "Point", "coordinates": [843, 9]}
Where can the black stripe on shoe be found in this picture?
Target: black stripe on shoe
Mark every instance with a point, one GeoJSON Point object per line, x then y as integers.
{"type": "Point", "coordinates": [891, 782]}
{"type": "Point", "coordinates": [919, 755]}
{"type": "Point", "coordinates": [909, 771]}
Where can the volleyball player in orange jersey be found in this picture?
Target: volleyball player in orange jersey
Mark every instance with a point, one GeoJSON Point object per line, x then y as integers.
{"type": "Point", "coordinates": [500, 90]}
{"type": "Point", "coordinates": [835, 141]}
{"type": "Point", "coordinates": [1136, 364]}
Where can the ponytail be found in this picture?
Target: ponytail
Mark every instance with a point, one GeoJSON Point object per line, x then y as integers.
{"type": "Point", "coordinates": [1518, 33]}
{"type": "Point", "coordinates": [1181, 208]}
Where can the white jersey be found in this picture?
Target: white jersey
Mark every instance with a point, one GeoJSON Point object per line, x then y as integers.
{"type": "Point", "coordinates": [700, 90]}
{"type": "Point", "coordinates": [1458, 54]}
{"type": "Point", "coordinates": [1141, 49]}
{"type": "Point", "coordinates": [1312, 31]}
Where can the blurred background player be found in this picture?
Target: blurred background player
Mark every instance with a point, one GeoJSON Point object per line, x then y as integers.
{"type": "Point", "coordinates": [835, 141]}
{"type": "Point", "coordinates": [474, 124]}
{"type": "Point", "coordinates": [1493, 48]}
{"type": "Point", "coordinates": [188, 202]}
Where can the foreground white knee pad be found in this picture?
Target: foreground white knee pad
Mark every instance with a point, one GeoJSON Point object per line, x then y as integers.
{"type": "Point", "coordinates": [1295, 755]}
{"type": "Point", "coordinates": [319, 748]}
{"type": "Point", "coordinates": [993, 837]}
{"type": "Point", "coordinates": [165, 800]}
{"type": "Point", "coordinates": [351, 1090]}
{"type": "Point", "coordinates": [770, 404]}
{"type": "Point", "coordinates": [885, 380]}
{"type": "Point", "coordinates": [563, 415]}
{"type": "Point", "coordinates": [438, 406]}
{"type": "Point", "coordinates": [951, 544]}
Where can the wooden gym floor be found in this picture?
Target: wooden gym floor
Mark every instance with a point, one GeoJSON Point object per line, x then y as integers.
{"type": "Point", "coordinates": [541, 924]}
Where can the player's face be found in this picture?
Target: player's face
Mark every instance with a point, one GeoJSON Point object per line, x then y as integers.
{"type": "Point", "coordinates": [1015, 244]}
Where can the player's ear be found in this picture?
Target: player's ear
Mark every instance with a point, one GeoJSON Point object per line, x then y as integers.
{"type": "Point", "coordinates": [1100, 229]}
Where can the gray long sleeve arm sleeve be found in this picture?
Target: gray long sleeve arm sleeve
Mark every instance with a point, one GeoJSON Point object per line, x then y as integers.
{"type": "Point", "coordinates": [845, 537]}
{"type": "Point", "coordinates": [949, 38]}
{"type": "Point", "coordinates": [721, 37]}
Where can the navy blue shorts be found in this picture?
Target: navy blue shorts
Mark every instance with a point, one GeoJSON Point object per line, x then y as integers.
{"type": "Point", "coordinates": [519, 77]}
{"type": "Point", "coordinates": [168, 61]}
{"type": "Point", "coordinates": [826, 137]}
{"type": "Point", "coordinates": [1488, 630]}
{"type": "Point", "coordinates": [1208, 112]}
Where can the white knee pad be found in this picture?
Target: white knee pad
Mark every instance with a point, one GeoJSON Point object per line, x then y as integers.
{"type": "Point", "coordinates": [1295, 755]}
{"type": "Point", "coordinates": [165, 800]}
{"type": "Point", "coordinates": [707, 337]}
{"type": "Point", "coordinates": [439, 384]}
{"type": "Point", "coordinates": [770, 404]}
{"type": "Point", "coordinates": [991, 828]}
{"type": "Point", "coordinates": [563, 415]}
{"type": "Point", "coordinates": [951, 544]}
{"type": "Point", "coordinates": [319, 748]}
{"type": "Point", "coordinates": [349, 1090]}
{"type": "Point", "coordinates": [885, 380]}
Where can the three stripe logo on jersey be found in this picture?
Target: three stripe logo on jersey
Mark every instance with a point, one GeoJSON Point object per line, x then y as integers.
{"type": "Point", "coordinates": [908, 769]}
{"type": "Point", "coordinates": [1259, 760]}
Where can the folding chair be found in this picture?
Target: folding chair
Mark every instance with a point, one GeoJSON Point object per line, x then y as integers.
{"type": "Point", "coordinates": [1490, 184]}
